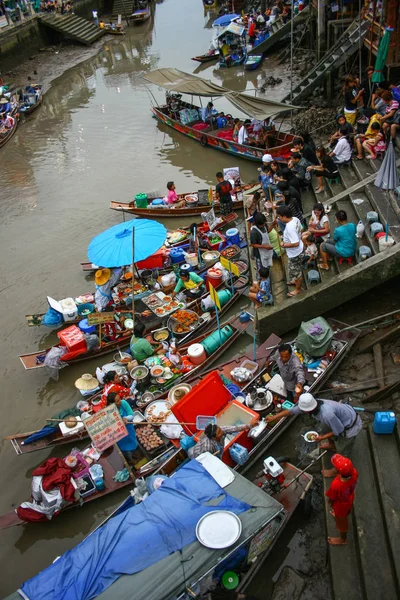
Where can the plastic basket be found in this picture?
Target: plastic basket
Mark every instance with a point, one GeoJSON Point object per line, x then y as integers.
{"type": "Point", "coordinates": [202, 421]}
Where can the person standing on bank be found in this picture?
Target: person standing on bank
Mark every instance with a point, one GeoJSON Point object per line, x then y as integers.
{"type": "Point", "coordinates": [294, 246]}
{"type": "Point", "coordinates": [223, 194]}
{"type": "Point", "coordinates": [340, 421]}
{"type": "Point", "coordinates": [341, 496]}
{"type": "Point", "coordinates": [260, 242]}
{"type": "Point", "coordinates": [291, 370]}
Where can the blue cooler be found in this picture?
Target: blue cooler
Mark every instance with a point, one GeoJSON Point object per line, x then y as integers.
{"type": "Point", "coordinates": [157, 202]}
{"type": "Point", "coordinates": [384, 422]}
{"type": "Point", "coordinates": [177, 255]}
{"type": "Point", "coordinates": [238, 453]}
{"type": "Point", "coordinates": [86, 328]}
{"type": "Point", "coordinates": [232, 236]}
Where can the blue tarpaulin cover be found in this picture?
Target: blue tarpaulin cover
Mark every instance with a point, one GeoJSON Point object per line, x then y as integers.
{"type": "Point", "coordinates": [135, 539]}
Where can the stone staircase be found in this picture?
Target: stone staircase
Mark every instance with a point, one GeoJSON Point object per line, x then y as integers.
{"type": "Point", "coordinates": [278, 31]}
{"type": "Point", "coordinates": [123, 8]}
{"type": "Point", "coordinates": [343, 281]}
{"type": "Point", "coordinates": [341, 51]}
{"type": "Point", "coordinates": [368, 568]}
{"type": "Point", "coordinates": [73, 27]}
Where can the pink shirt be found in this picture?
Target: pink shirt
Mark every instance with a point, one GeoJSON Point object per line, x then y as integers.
{"type": "Point", "coordinates": [172, 197]}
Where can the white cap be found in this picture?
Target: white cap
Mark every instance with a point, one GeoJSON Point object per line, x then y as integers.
{"type": "Point", "coordinates": [267, 158]}
{"type": "Point", "coordinates": [307, 402]}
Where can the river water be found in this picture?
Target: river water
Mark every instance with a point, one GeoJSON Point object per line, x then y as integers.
{"type": "Point", "coordinates": [93, 140]}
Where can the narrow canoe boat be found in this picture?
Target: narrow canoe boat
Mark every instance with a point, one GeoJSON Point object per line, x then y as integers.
{"type": "Point", "coordinates": [164, 211]}
{"type": "Point", "coordinates": [253, 62]}
{"type": "Point", "coordinates": [208, 57]}
{"type": "Point", "coordinates": [140, 15]}
{"type": "Point", "coordinates": [113, 31]}
{"type": "Point", "coordinates": [31, 101]}
{"type": "Point", "coordinates": [112, 461]}
{"type": "Point", "coordinates": [7, 134]}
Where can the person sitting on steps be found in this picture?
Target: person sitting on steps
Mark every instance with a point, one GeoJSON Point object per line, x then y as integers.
{"type": "Point", "coordinates": [343, 244]}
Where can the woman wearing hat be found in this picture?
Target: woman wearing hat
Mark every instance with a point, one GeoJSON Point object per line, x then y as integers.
{"type": "Point", "coordinates": [341, 496]}
{"type": "Point", "coordinates": [340, 421]}
{"type": "Point", "coordinates": [105, 280]}
{"type": "Point", "coordinates": [5, 106]}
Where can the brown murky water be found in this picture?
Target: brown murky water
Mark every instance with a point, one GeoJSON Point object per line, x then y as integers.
{"type": "Point", "coordinates": [93, 140]}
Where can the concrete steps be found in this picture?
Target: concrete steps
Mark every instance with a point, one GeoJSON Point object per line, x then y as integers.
{"type": "Point", "coordinates": [73, 27]}
{"type": "Point", "coordinates": [369, 566]}
{"type": "Point", "coordinates": [337, 55]}
{"type": "Point", "coordinates": [278, 31]}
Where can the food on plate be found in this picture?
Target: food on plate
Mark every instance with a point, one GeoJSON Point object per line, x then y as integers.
{"type": "Point", "coordinates": [167, 298]}
{"type": "Point", "coordinates": [310, 437]}
{"type": "Point", "coordinates": [174, 304]}
{"type": "Point", "coordinates": [161, 380]}
{"type": "Point", "coordinates": [161, 336]}
{"type": "Point", "coordinates": [160, 417]}
{"type": "Point", "coordinates": [167, 307]}
{"type": "Point", "coordinates": [157, 371]}
{"type": "Point", "coordinates": [229, 252]}
{"type": "Point", "coordinates": [185, 318]}
{"type": "Point", "coordinates": [159, 311]}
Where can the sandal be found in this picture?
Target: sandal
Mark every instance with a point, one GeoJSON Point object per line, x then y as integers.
{"type": "Point", "coordinates": [358, 157]}
{"type": "Point", "coordinates": [323, 267]}
{"type": "Point", "coordinates": [371, 157]}
{"type": "Point", "coordinates": [292, 294]}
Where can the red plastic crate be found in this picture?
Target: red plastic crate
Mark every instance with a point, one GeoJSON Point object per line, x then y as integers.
{"type": "Point", "coordinates": [72, 337]}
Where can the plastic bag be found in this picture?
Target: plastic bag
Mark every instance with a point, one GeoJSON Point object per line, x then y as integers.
{"type": "Point", "coordinates": [187, 442]}
{"type": "Point", "coordinates": [53, 362]}
{"type": "Point", "coordinates": [360, 229]}
{"type": "Point", "coordinates": [52, 318]}
{"type": "Point", "coordinates": [314, 337]}
{"type": "Point", "coordinates": [92, 341]}
{"type": "Point", "coordinates": [154, 482]}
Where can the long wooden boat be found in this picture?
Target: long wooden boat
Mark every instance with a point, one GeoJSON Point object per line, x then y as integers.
{"type": "Point", "coordinates": [27, 109]}
{"type": "Point", "coordinates": [345, 339]}
{"type": "Point", "coordinates": [162, 212]}
{"type": "Point", "coordinates": [112, 461]}
{"type": "Point", "coordinates": [140, 16]}
{"type": "Point", "coordinates": [6, 136]}
{"type": "Point", "coordinates": [113, 31]}
{"type": "Point", "coordinates": [208, 57]}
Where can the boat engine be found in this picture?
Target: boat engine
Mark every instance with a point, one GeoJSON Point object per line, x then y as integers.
{"type": "Point", "coordinates": [274, 476]}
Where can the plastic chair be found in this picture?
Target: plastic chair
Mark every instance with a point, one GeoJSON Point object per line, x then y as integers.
{"type": "Point", "coordinates": [313, 276]}
{"type": "Point", "coordinates": [376, 228]}
{"type": "Point", "coordinates": [364, 252]}
{"type": "Point", "coordinates": [348, 259]}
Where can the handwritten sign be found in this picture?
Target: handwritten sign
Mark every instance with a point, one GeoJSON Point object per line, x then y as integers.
{"type": "Point", "coordinates": [97, 318]}
{"type": "Point", "coordinates": [230, 266]}
{"type": "Point", "coordinates": [214, 297]}
{"type": "Point", "coordinates": [106, 428]}
{"type": "Point", "coordinates": [262, 540]}
{"type": "Point", "coordinates": [211, 219]}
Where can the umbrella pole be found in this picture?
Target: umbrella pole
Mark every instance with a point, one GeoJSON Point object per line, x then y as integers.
{"type": "Point", "coordinates": [133, 275]}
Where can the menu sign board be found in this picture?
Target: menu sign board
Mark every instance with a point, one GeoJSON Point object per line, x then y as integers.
{"type": "Point", "coordinates": [103, 317]}
{"type": "Point", "coordinates": [106, 428]}
{"type": "Point", "coordinates": [211, 219]}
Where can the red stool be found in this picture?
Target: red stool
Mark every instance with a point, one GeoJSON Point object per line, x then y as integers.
{"type": "Point", "coordinates": [348, 259]}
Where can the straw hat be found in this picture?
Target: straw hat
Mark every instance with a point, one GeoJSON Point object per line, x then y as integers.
{"type": "Point", "coordinates": [86, 382]}
{"type": "Point", "coordinates": [102, 276]}
{"type": "Point", "coordinates": [4, 101]}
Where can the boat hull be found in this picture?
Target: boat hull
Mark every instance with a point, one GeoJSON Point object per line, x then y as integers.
{"type": "Point", "coordinates": [251, 64]}
{"type": "Point", "coordinates": [231, 147]}
{"type": "Point", "coordinates": [10, 133]}
{"type": "Point", "coordinates": [165, 212]}
{"type": "Point", "coordinates": [203, 58]}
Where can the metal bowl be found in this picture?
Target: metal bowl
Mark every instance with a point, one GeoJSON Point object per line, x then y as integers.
{"type": "Point", "coordinates": [119, 361]}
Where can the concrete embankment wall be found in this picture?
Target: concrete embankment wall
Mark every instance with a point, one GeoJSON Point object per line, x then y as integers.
{"type": "Point", "coordinates": [19, 42]}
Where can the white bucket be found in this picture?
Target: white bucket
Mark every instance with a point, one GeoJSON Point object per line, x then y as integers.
{"type": "Point", "coordinates": [384, 243]}
{"type": "Point", "coordinates": [191, 259]}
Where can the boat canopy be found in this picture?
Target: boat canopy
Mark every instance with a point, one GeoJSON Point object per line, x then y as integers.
{"type": "Point", "coordinates": [140, 551]}
{"type": "Point", "coordinates": [184, 83]}
{"type": "Point", "coordinates": [234, 29]}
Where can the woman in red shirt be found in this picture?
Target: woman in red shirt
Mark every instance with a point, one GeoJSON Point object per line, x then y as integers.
{"type": "Point", "coordinates": [112, 383]}
{"type": "Point", "coordinates": [341, 496]}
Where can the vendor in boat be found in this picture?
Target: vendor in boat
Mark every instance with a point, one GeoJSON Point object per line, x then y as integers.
{"type": "Point", "coordinates": [291, 370]}
{"type": "Point", "coordinates": [5, 106]}
{"type": "Point", "coordinates": [340, 422]}
{"type": "Point", "coordinates": [191, 283]}
{"type": "Point", "coordinates": [113, 383]}
{"type": "Point", "coordinates": [223, 194]}
{"type": "Point", "coordinates": [141, 348]}
{"type": "Point", "coordinates": [213, 439]}
{"type": "Point", "coordinates": [105, 280]}
{"type": "Point", "coordinates": [210, 113]}
{"type": "Point", "coordinates": [172, 199]}
{"type": "Point", "coordinates": [128, 445]}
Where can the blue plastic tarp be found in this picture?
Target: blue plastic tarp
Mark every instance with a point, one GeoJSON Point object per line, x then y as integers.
{"type": "Point", "coordinates": [134, 539]}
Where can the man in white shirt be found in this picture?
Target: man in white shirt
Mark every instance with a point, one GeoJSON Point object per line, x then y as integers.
{"type": "Point", "coordinates": [294, 247]}
{"type": "Point", "coordinates": [243, 136]}
{"type": "Point", "coordinates": [342, 151]}
{"type": "Point", "coordinates": [260, 21]}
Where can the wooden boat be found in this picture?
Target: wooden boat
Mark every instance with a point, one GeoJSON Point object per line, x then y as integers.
{"type": "Point", "coordinates": [5, 136]}
{"type": "Point", "coordinates": [187, 118]}
{"type": "Point", "coordinates": [208, 57]}
{"type": "Point", "coordinates": [26, 107]}
{"type": "Point", "coordinates": [345, 339]}
{"type": "Point", "coordinates": [141, 12]}
{"type": "Point", "coordinates": [253, 62]}
{"type": "Point", "coordinates": [112, 461]}
{"type": "Point", "coordinates": [226, 221]}
{"type": "Point", "coordinates": [164, 211]}
{"type": "Point", "coordinates": [113, 30]}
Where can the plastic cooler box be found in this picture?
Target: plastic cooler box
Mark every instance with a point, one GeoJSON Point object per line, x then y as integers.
{"type": "Point", "coordinates": [211, 397]}
{"type": "Point", "coordinates": [73, 339]}
{"type": "Point", "coordinates": [155, 261]}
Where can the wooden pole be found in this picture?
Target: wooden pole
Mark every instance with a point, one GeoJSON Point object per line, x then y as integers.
{"type": "Point", "coordinates": [133, 275]}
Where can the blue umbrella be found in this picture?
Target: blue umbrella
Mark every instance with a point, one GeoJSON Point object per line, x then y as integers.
{"type": "Point", "coordinates": [225, 20]}
{"type": "Point", "coordinates": [113, 247]}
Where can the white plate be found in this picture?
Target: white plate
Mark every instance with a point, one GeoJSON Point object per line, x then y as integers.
{"type": "Point", "coordinates": [219, 529]}
{"type": "Point", "coordinates": [310, 433]}
{"type": "Point", "coordinates": [160, 406]}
